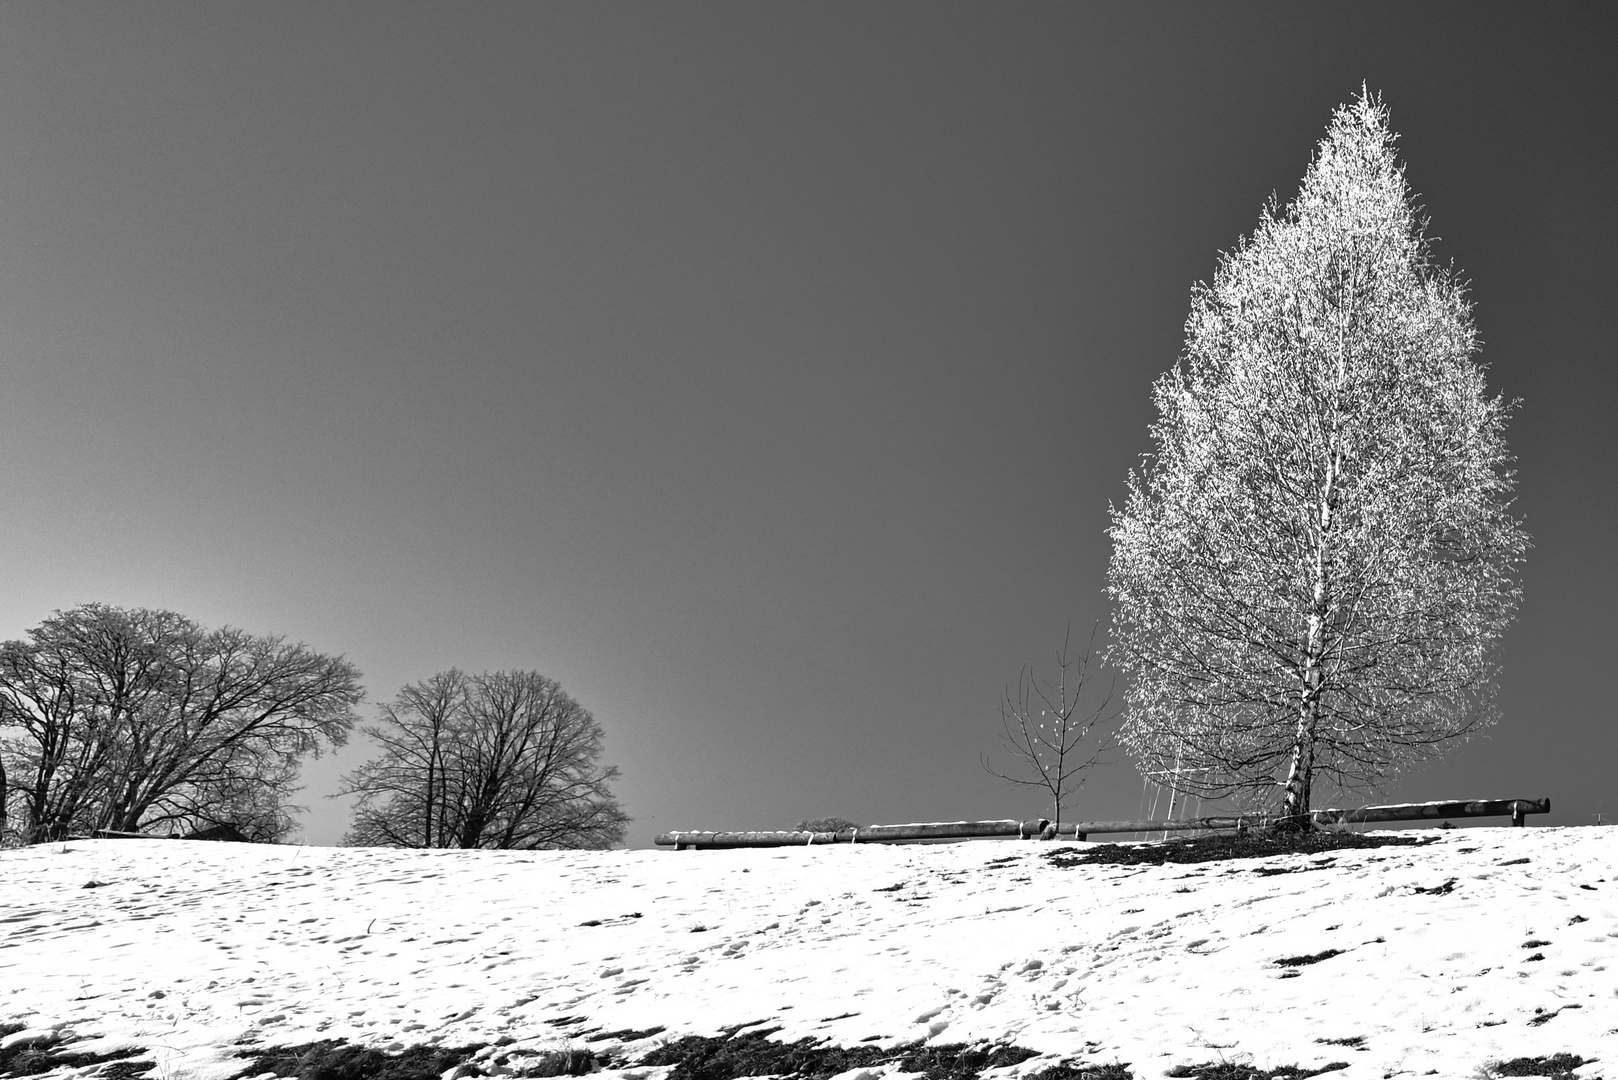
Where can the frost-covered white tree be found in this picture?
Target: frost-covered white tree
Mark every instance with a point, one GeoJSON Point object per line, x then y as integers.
{"type": "Point", "coordinates": [1313, 571]}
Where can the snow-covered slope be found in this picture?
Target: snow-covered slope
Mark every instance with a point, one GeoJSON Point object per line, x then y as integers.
{"type": "Point", "coordinates": [188, 949]}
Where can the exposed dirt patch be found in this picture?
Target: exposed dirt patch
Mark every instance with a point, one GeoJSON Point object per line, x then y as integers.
{"type": "Point", "coordinates": [754, 1054]}
{"type": "Point", "coordinates": [331, 1059]}
{"type": "Point", "coordinates": [1225, 1070]}
{"type": "Point", "coordinates": [694, 1057]}
{"type": "Point", "coordinates": [1557, 1066]}
{"type": "Point", "coordinates": [1253, 845]}
{"type": "Point", "coordinates": [31, 1057]}
{"type": "Point", "coordinates": [1309, 958]}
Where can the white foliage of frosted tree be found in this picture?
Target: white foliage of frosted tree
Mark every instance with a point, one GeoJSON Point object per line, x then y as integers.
{"type": "Point", "coordinates": [1312, 572]}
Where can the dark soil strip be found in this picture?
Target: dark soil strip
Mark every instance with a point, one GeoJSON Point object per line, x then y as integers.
{"type": "Point", "coordinates": [630, 1034]}
{"type": "Point", "coordinates": [1253, 845]}
{"type": "Point", "coordinates": [694, 1057]}
{"type": "Point", "coordinates": [698, 1057]}
{"type": "Point", "coordinates": [331, 1059]}
{"type": "Point", "coordinates": [1309, 958]}
{"type": "Point", "coordinates": [1557, 1066]}
{"type": "Point", "coordinates": [125, 1070]}
{"type": "Point", "coordinates": [1225, 1070]}
{"type": "Point", "coordinates": [1116, 1071]}
{"type": "Point", "coordinates": [32, 1057]}
{"type": "Point", "coordinates": [754, 1054]}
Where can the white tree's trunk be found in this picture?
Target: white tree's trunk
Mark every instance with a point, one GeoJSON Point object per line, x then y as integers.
{"type": "Point", "coordinates": [1174, 786]}
{"type": "Point", "coordinates": [1300, 775]}
{"type": "Point", "coordinates": [1295, 806]}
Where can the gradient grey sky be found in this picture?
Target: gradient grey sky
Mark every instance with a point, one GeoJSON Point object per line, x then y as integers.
{"type": "Point", "coordinates": [761, 372]}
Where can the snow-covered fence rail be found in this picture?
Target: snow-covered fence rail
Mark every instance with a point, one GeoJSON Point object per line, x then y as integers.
{"type": "Point", "coordinates": [935, 830]}
{"type": "Point", "coordinates": [1518, 809]}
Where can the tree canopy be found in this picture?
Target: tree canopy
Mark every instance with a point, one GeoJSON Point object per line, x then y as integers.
{"type": "Point", "coordinates": [1313, 570]}
{"type": "Point", "coordinates": [499, 760]}
{"type": "Point", "coordinates": [130, 719]}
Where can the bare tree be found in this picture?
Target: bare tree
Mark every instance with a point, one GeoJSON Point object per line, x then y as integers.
{"type": "Point", "coordinates": [250, 795]}
{"type": "Point", "coordinates": [68, 697]}
{"type": "Point", "coordinates": [129, 719]}
{"type": "Point", "coordinates": [411, 775]}
{"type": "Point", "coordinates": [502, 760]}
{"type": "Point", "coordinates": [1313, 572]}
{"type": "Point", "coordinates": [1046, 734]}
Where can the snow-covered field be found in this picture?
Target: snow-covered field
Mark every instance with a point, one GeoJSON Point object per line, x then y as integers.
{"type": "Point", "coordinates": [187, 949]}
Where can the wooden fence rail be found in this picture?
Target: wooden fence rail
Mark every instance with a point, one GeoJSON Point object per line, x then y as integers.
{"type": "Point", "coordinates": [1041, 828]}
{"type": "Point", "coordinates": [935, 830]}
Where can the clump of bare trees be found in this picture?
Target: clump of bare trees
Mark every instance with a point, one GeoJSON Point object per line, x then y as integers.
{"type": "Point", "coordinates": [498, 760]}
{"type": "Point", "coordinates": [138, 720]}
{"type": "Point", "coordinates": [1313, 571]}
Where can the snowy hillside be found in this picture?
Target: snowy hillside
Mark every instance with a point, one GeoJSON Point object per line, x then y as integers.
{"type": "Point", "coordinates": [1478, 946]}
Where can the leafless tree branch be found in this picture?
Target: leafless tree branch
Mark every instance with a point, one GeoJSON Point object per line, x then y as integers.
{"type": "Point", "coordinates": [1044, 732]}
